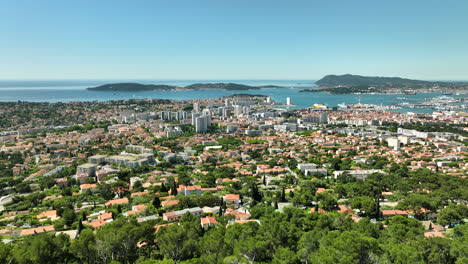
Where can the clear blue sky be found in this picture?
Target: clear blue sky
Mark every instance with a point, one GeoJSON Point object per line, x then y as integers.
{"type": "Point", "coordinates": [233, 39]}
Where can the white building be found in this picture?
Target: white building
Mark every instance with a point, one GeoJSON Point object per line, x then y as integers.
{"type": "Point", "coordinates": [202, 123]}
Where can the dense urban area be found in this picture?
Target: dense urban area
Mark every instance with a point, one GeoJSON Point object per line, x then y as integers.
{"type": "Point", "coordinates": [239, 179]}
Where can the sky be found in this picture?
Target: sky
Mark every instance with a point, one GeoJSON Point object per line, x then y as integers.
{"type": "Point", "coordinates": [233, 39]}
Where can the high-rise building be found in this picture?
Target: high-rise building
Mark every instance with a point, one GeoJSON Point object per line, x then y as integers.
{"type": "Point", "coordinates": [194, 117]}
{"type": "Point", "coordinates": [237, 110]}
{"type": "Point", "coordinates": [245, 110]}
{"type": "Point", "coordinates": [202, 123]}
{"type": "Point", "coordinates": [196, 107]}
{"type": "Point", "coordinates": [324, 117]}
{"type": "Point", "coordinates": [220, 111]}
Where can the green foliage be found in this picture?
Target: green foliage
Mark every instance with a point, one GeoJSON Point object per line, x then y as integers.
{"type": "Point", "coordinates": [453, 214]}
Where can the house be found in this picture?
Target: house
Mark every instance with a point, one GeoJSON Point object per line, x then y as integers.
{"type": "Point", "coordinates": [358, 174]}
{"type": "Point", "coordinates": [345, 209]}
{"type": "Point", "coordinates": [37, 230]}
{"type": "Point", "coordinates": [315, 172]}
{"type": "Point", "coordinates": [176, 215]}
{"type": "Point", "coordinates": [136, 209]}
{"type": "Point", "coordinates": [187, 190]}
{"type": "Point", "coordinates": [96, 224]}
{"type": "Point", "coordinates": [48, 215]}
{"type": "Point", "coordinates": [117, 201]}
{"type": "Point", "coordinates": [61, 182]}
{"type": "Point", "coordinates": [139, 193]}
{"type": "Point", "coordinates": [169, 203]}
{"type": "Point", "coordinates": [88, 186]}
{"type": "Point", "coordinates": [390, 213]}
{"type": "Point", "coordinates": [207, 222]}
{"type": "Point", "coordinates": [107, 216]}
{"type": "Point", "coordinates": [238, 215]}
{"type": "Point", "coordinates": [210, 210]}
{"type": "Point", "coordinates": [306, 166]}
{"type": "Point", "coordinates": [320, 211]}
{"type": "Point", "coordinates": [147, 218]}
{"type": "Point", "coordinates": [71, 233]}
{"type": "Point", "coordinates": [232, 199]}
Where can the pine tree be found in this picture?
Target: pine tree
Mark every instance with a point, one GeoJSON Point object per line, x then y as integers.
{"type": "Point", "coordinates": [163, 188]}
{"type": "Point", "coordinates": [80, 226]}
{"type": "Point", "coordinates": [283, 195]}
{"type": "Point", "coordinates": [156, 202]}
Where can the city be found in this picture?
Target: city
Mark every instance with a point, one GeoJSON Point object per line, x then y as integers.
{"type": "Point", "coordinates": [178, 179]}
{"type": "Point", "coordinates": [233, 132]}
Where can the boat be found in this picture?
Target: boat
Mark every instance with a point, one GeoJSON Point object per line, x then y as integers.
{"type": "Point", "coordinates": [321, 106]}
{"type": "Point", "coordinates": [409, 92]}
{"type": "Point", "coordinates": [343, 105]}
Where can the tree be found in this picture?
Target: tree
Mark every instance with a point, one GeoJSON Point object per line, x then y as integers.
{"type": "Point", "coordinates": [403, 253]}
{"type": "Point", "coordinates": [157, 202]}
{"type": "Point", "coordinates": [43, 249]}
{"type": "Point", "coordinates": [212, 246]}
{"type": "Point", "coordinates": [69, 217]}
{"type": "Point", "coordinates": [163, 188]}
{"type": "Point", "coordinates": [255, 194]}
{"type": "Point", "coordinates": [309, 243]}
{"type": "Point", "coordinates": [84, 247]}
{"type": "Point", "coordinates": [347, 247]}
{"type": "Point", "coordinates": [328, 201]}
{"type": "Point", "coordinates": [365, 204]}
{"type": "Point", "coordinates": [284, 256]}
{"type": "Point", "coordinates": [453, 214]}
{"type": "Point", "coordinates": [137, 186]}
{"type": "Point", "coordinates": [417, 201]}
{"type": "Point", "coordinates": [5, 252]}
{"type": "Point", "coordinates": [177, 242]}
{"type": "Point", "coordinates": [105, 191]}
{"type": "Point", "coordinates": [283, 195]}
{"type": "Point", "coordinates": [251, 249]}
{"type": "Point", "coordinates": [117, 241]}
{"type": "Point", "coordinates": [401, 229]}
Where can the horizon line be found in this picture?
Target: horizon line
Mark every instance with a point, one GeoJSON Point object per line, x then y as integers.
{"type": "Point", "coordinates": [201, 79]}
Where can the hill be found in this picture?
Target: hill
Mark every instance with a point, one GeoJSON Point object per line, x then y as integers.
{"type": "Point", "coordinates": [137, 87]}
{"type": "Point", "coordinates": [224, 86]}
{"type": "Point", "coordinates": [355, 80]}
{"type": "Point", "coordinates": [132, 87]}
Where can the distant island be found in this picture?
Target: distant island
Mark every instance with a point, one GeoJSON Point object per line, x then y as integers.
{"type": "Point", "coordinates": [348, 83]}
{"type": "Point", "coordinates": [138, 87]}
{"type": "Point", "coordinates": [131, 87]}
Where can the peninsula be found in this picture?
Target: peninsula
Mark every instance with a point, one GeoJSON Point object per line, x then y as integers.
{"type": "Point", "coordinates": [137, 87]}
{"type": "Point", "coordinates": [348, 83]}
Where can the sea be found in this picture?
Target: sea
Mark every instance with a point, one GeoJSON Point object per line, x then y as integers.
{"type": "Point", "coordinates": [75, 90]}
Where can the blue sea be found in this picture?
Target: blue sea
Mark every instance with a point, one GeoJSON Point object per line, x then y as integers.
{"type": "Point", "coordinates": [75, 90]}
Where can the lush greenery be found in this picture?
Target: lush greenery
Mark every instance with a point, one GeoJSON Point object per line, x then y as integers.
{"type": "Point", "coordinates": [292, 236]}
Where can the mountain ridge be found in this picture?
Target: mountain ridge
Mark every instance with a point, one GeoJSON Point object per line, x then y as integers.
{"type": "Point", "coordinates": [353, 80]}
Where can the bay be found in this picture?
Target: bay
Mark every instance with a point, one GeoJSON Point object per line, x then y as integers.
{"type": "Point", "coordinates": [75, 90]}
